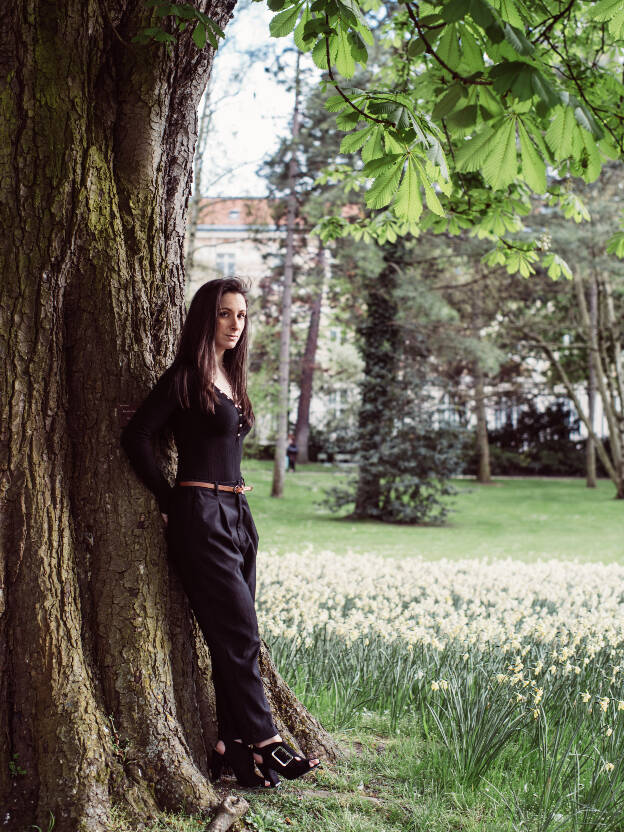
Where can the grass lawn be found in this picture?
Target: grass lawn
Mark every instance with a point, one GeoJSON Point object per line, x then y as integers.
{"type": "Point", "coordinates": [387, 782]}
{"type": "Point", "coordinates": [529, 519]}
{"type": "Point", "coordinates": [397, 774]}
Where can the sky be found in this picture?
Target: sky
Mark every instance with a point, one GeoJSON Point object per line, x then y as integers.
{"type": "Point", "coordinates": [251, 113]}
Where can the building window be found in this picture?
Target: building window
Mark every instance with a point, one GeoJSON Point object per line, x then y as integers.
{"type": "Point", "coordinates": [226, 263]}
{"type": "Point", "coordinates": [234, 214]}
{"type": "Point", "coordinates": [337, 401]}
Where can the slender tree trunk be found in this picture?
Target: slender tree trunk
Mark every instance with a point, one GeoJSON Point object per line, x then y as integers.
{"type": "Point", "coordinates": [195, 199]}
{"type": "Point", "coordinates": [484, 474]}
{"type": "Point", "coordinates": [614, 337]}
{"type": "Point", "coordinates": [614, 464]}
{"type": "Point", "coordinates": [277, 489]}
{"type": "Point", "coordinates": [590, 448]}
{"type": "Point", "coordinates": [105, 689]}
{"type": "Point", "coordinates": [302, 429]}
{"type": "Point", "coordinates": [610, 394]}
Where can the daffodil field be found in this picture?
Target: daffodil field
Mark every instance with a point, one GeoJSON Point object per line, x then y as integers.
{"type": "Point", "coordinates": [511, 672]}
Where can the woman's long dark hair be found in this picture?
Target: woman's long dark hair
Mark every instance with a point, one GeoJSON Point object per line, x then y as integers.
{"type": "Point", "coordinates": [195, 360]}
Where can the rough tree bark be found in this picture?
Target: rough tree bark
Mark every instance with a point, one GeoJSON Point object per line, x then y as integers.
{"type": "Point", "coordinates": [302, 428]}
{"type": "Point", "coordinates": [105, 693]}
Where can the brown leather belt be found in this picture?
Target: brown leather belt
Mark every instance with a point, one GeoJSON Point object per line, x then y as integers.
{"type": "Point", "coordinates": [237, 489]}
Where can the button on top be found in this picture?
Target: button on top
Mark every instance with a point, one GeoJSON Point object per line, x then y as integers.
{"type": "Point", "coordinates": [240, 420]}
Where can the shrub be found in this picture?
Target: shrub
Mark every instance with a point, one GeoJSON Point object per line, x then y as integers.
{"type": "Point", "coordinates": [414, 465]}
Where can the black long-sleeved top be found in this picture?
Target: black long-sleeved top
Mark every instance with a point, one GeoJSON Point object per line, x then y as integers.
{"type": "Point", "coordinates": [209, 445]}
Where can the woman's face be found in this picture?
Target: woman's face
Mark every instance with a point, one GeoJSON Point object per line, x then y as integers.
{"type": "Point", "coordinates": [231, 317]}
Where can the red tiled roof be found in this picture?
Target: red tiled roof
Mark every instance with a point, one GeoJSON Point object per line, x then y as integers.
{"type": "Point", "coordinates": [235, 211]}
{"type": "Point", "coordinates": [242, 211]}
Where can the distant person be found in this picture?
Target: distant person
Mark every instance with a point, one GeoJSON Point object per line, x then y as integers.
{"type": "Point", "coordinates": [212, 540]}
{"type": "Point", "coordinates": [291, 453]}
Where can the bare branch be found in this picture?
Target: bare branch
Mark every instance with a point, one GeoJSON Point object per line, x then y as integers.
{"type": "Point", "coordinates": [583, 415]}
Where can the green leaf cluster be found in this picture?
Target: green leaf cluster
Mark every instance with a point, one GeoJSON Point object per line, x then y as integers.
{"type": "Point", "coordinates": [336, 32]}
{"type": "Point", "coordinates": [401, 152]}
{"type": "Point", "coordinates": [610, 12]}
{"type": "Point", "coordinates": [615, 243]}
{"type": "Point", "coordinates": [463, 98]}
{"type": "Point", "coordinates": [516, 258]}
{"type": "Point", "coordinates": [513, 91]}
{"type": "Point", "coordinates": [183, 14]}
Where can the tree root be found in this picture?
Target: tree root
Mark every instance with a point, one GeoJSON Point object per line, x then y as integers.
{"type": "Point", "coordinates": [232, 807]}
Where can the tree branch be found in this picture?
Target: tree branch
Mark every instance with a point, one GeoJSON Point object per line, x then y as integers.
{"type": "Point", "coordinates": [616, 344]}
{"type": "Point", "coordinates": [600, 448]}
{"type": "Point", "coordinates": [580, 90]}
{"type": "Point", "coordinates": [553, 20]}
{"type": "Point", "coordinates": [430, 50]}
{"type": "Point", "coordinates": [346, 98]}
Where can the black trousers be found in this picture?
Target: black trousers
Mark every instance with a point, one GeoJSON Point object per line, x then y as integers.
{"type": "Point", "coordinates": [212, 542]}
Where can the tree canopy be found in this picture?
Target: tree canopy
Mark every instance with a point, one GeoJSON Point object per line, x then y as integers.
{"type": "Point", "coordinates": [472, 106]}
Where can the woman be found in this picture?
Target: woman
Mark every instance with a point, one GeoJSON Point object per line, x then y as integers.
{"type": "Point", "coordinates": [211, 537]}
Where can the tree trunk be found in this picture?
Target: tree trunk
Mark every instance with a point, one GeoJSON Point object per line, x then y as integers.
{"type": "Point", "coordinates": [613, 461]}
{"type": "Point", "coordinates": [195, 198]}
{"type": "Point", "coordinates": [379, 339]}
{"type": "Point", "coordinates": [613, 337]}
{"type": "Point", "coordinates": [590, 448]}
{"type": "Point", "coordinates": [484, 474]}
{"type": "Point", "coordinates": [302, 429]}
{"type": "Point", "coordinates": [610, 393]}
{"type": "Point", "coordinates": [105, 685]}
{"type": "Point", "coordinates": [277, 489]}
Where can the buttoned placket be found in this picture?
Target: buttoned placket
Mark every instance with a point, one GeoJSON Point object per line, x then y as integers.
{"type": "Point", "coordinates": [240, 421]}
{"type": "Point", "coordinates": [239, 495]}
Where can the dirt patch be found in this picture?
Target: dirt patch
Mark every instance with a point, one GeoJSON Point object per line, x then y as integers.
{"type": "Point", "coordinates": [328, 793]}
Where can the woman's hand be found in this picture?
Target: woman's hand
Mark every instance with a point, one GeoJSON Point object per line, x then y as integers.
{"type": "Point", "coordinates": [165, 517]}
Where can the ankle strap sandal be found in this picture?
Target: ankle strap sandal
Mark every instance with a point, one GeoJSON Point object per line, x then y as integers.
{"type": "Point", "coordinates": [283, 759]}
{"type": "Point", "coordinates": [240, 759]}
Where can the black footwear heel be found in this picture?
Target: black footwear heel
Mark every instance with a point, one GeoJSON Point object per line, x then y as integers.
{"type": "Point", "coordinates": [270, 775]}
{"type": "Point", "coordinates": [241, 760]}
{"type": "Point", "coordinates": [281, 758]}
{"type": "Point", "coordinates": [216, 765]}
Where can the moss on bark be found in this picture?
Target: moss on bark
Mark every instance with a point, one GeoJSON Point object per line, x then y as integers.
{"type": "Point", "coordinates": [104, 682]}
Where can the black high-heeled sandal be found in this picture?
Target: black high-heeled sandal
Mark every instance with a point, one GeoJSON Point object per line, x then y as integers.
{"type": "Point", "coordinates": [282, 758]}
{"type": "Point", "coordinates": [240, 759]}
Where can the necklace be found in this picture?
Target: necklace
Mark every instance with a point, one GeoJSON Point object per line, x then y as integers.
{"type": "Point", "coordinates": [223, 384]}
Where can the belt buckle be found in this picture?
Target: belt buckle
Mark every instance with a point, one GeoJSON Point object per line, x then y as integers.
{"type": "Point", "coordinates": [283, 753]}
{"type": "Point", "coordinates": [238, 489]}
